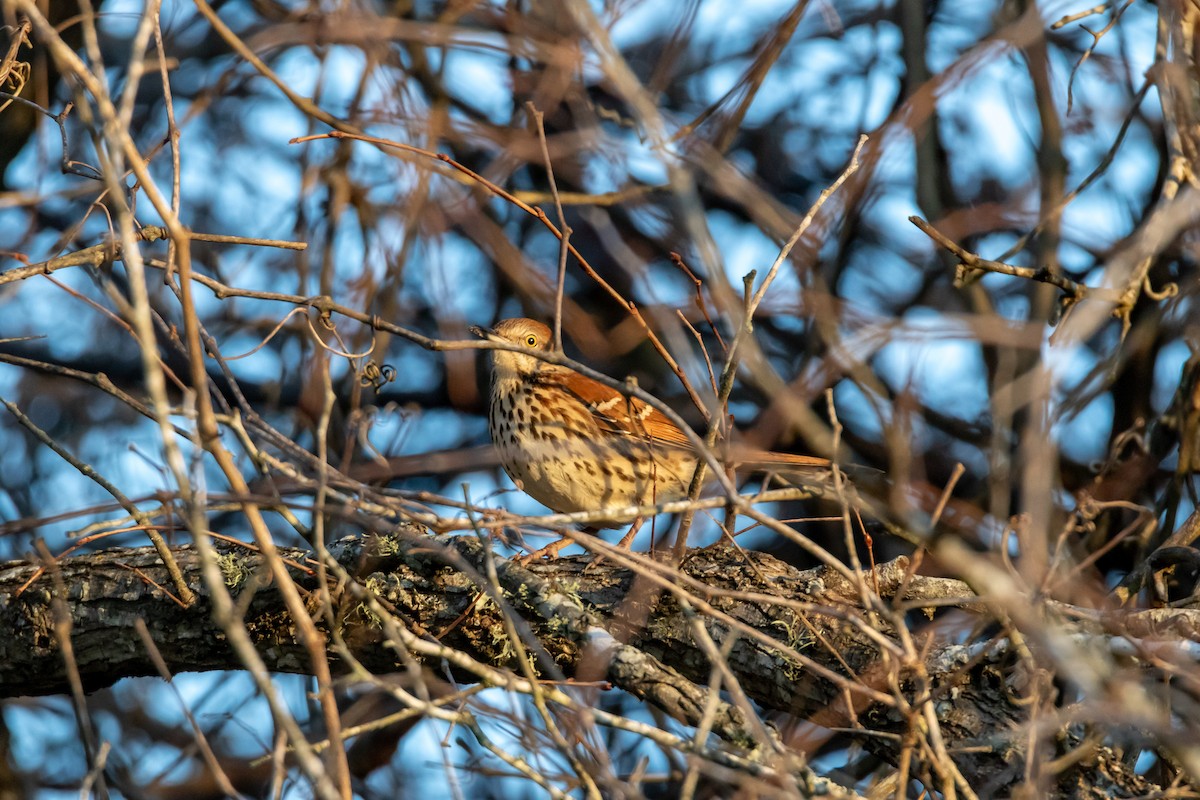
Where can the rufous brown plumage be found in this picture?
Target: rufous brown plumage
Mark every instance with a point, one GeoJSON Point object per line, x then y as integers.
{"type": "Point", "coordinates": [574, 444]}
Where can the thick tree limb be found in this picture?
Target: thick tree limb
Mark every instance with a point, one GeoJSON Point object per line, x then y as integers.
{"type": "Point", "coordinates": [798, 643]}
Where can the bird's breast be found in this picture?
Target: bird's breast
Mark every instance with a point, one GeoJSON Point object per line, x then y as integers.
{"type": "Point", "coordinates": [552, 448]}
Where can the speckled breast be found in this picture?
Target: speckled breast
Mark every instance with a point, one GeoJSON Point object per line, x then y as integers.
{"type": "Point", "coordinates": [566, 463]}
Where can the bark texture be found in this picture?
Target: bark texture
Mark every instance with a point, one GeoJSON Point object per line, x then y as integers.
{"type": "Point", "coordinates": [799, 642]}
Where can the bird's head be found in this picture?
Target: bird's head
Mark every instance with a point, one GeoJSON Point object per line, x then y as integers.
{"type": "Point", "coordinates": [520, 331]}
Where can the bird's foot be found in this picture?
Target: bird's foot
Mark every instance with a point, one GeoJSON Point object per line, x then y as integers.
{"type": "Point", "coordinates": [625, 544]}
{"type": "Point", "coordinates": [548, 552]}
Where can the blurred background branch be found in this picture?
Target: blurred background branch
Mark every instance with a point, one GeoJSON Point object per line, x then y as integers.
{"type": "Point", "coordinates": [227, 297]}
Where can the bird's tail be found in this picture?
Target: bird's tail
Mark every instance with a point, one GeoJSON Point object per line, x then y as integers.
{"type": "Point", "coordinates": [755, 460]}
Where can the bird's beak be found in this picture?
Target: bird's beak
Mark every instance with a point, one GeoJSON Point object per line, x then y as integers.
{"type": "Point", "coordinates": [482, 333]}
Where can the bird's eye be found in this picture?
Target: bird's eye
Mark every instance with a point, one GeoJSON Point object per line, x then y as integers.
{"type": "Point", "coordinates": [531, 340]}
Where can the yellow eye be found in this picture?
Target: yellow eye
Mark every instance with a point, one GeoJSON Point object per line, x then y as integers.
{"type": "Point", "coordinates": [531, 341]}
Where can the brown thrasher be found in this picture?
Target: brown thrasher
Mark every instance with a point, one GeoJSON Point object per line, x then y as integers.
{"type": "Point", "coordinates": [574, 444]}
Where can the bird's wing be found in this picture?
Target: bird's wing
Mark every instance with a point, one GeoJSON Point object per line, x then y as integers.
{"type": "Point", "coordinates": [619, 415]}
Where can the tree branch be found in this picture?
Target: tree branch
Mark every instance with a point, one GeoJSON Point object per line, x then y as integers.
{"type": "Point", "coordinates": [798, 642]}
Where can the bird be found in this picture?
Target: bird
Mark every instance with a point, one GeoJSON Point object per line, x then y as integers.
{"type": "Point", "coordinates": [574, 444]}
